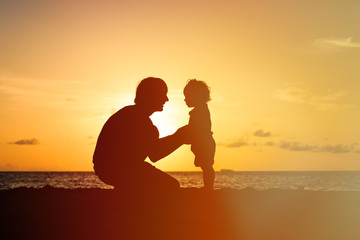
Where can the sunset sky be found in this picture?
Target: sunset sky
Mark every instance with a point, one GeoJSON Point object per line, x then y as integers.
{"type": "Point", "coordinates": [284, 78]}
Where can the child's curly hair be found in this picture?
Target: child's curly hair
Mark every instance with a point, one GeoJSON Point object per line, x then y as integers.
{"type": "Point", "coordinates": [198, 90]}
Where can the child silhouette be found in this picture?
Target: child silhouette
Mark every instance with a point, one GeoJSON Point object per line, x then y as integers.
{"type": "Point", "coordinates": [197, 94]}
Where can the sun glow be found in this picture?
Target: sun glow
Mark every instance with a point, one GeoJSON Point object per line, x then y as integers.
{"type": "Point", "coordinates": [283, 79]}
{"type": "Point", "coordinates": [174, 115]}
{"type": "Point", "coordinates": [165, 124]}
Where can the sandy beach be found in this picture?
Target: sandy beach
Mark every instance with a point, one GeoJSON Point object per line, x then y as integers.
{"type": "Point", "coordinates": [55, 213]}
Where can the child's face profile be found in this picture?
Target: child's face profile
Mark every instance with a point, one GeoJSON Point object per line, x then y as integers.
{"type": "Point", "coordinates": [189, 98]}
{"type": "Point", "coordinates": [193, 98]}
{"type": "Point", "coordinates": [188, 101]}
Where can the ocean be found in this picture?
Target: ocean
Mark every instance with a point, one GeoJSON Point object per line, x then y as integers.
{"type": "Point", "coordinates": [312, 181]}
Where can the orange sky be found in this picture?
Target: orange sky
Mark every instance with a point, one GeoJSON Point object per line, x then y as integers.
{"type": "Point", "coordinates": [284, 77]}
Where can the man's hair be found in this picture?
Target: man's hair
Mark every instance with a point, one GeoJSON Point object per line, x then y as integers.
{"type": "Point", "coordinates": [198, 89]}
{"type": "Point", "coordinates": [148, 88]}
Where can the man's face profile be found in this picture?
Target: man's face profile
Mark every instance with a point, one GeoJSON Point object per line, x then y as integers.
{"type": "Point", "coordinates": [152, 94]}
{"type": "Point", "coordinates": [159, 100]}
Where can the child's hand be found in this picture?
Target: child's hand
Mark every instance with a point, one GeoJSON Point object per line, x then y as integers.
{"type": "Point", "coordinates": [184, 134]}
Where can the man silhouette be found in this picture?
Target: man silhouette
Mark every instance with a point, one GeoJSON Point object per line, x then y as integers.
{"type": "Point", "coordinates": [129, 137]}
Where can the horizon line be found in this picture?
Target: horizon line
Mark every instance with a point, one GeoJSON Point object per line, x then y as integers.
{"type": "Point", "coordinates": [219, 171]}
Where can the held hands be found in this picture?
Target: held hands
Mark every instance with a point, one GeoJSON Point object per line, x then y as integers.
{"type": "Point", "coordinates": [184, 134]}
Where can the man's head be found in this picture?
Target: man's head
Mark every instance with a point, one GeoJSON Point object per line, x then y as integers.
{"type": "Point", "coordinates": [151, 94]}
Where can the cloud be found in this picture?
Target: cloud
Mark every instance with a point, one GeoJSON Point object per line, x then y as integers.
{"type": "Point", "coordinates": [236, 144]}
{"type": "Point", "coordinates": [336, 43]}
{"type": "Point", "coordinates": [335, 148]}
{"type": "Point", "coordinates": [296, 146]}
{"type": "Point", "coordinates": [292, 94]}
{"type": "Point", "coordinates": [339, 148]}
{"type": "Point", "coordinates": [32, 141]}
{"type": "Point", "coordinates": [261, 133]}
{"type": "Point", "coordinates": [324, 102]}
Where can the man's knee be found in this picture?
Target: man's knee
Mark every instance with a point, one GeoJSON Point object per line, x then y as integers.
{"type": "Point", "coordinates": [175, 183]}
{"type": "Point", "coordinates": [168, 181]}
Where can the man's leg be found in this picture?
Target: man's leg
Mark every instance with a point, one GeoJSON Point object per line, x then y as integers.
{"type": "Point", "coordinates": [156, 179]}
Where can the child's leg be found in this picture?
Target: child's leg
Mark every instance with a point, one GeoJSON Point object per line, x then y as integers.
{"type": "Point", "coordinates": [208, 176]}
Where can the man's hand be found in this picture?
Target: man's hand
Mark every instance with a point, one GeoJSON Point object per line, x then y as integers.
{"type": "Point", "coordinates": [166, 145]}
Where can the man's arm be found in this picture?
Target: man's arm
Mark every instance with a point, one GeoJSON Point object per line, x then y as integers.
{"type": "Point", "coordinates": [166, 145]}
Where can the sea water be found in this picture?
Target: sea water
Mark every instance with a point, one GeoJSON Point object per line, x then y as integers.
{"type": "Point", "coordinates": [312, 181]}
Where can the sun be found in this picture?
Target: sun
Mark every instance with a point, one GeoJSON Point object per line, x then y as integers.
{"type": "Point", "coordinates": [174, 116]}
{"type": "Point", "coordinates": [164, 123]}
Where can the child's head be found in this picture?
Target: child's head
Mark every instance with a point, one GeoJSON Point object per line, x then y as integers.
{"type": "Point", "coordinates": [196, 93]}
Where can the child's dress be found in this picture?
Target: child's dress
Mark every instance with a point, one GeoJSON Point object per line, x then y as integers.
{"type": "Point", "coordinates": [203, 144]}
